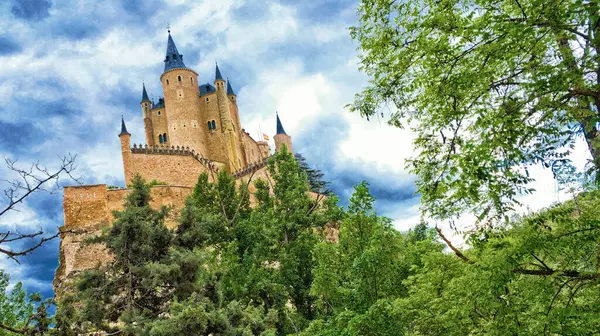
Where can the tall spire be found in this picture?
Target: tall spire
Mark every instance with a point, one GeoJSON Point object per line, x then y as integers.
{"type": "Point", "coordinates": [123, 128]}
{"type": "Point", "coordinates": [144, 94]}
{"type": "Point", "coordinates": [280, 129]}
{"type": "Point", "coordinates": [173, 59]}
{"type": "Point", "coordinates": [229, 89]}
{"type": "Point", "coordinates": [217, 73]}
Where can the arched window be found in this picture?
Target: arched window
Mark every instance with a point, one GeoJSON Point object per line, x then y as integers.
{"type": "Point", "coordinates": [165, 137]}
{"type": "Point", "coordinates": [167, 82]}
{"type": "Point", "coordinates": [179, 78]}
{"type": "Point", "coordinates": [192, 80]}
{"type": "Point", "coordinates": [209, 125]}
{"type": "Point", "coordinates": [214, 126]}
{"type": "Point", "coordinates": [160, 138]}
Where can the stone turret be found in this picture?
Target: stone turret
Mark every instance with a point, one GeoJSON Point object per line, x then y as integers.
{"type": "Point", "coordinates": [281, 138]}
{"type": "Point", "coordinates": [182, 97]}
{"type": "Point", "coordinates": [125, 138]}
{"type": "Point", "coordinates": [146, 105]}
{"type": "Point", "coordinates": [229, 134]}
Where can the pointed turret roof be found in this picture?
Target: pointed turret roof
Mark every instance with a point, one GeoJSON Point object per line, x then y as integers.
{"type": "Point", "coordinates": [218, 73]}
{"type": "Point", "coordinates": [123, 128]}
{"type": "Point", "coordinates": [173, 59]}
{"type": "Point", "coordinates": [280, 129]}
{"type": "Point", "coordinates": [144, 94]}
{"type": "Point", "coordinates": [229, 89]}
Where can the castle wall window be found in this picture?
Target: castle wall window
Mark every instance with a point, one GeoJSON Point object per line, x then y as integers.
{"type": "Point", "coordinates": [160, 138]}
{"type": "Point", "coordinates": [158, 113]}
{"type": "Point", "coordinates": [214, 126]}
{"type": "Point", "coordinates": [179, 78]}
{"type": "Point", "coordinates": [207, 99]}
{"type": "Point", "coordinates": [165, 137]}
{"type": "Point", "coordinates": [209, 125]}
{"type": "Point", "coordinates": [192, 80]}
{"type": "Point", "coordinates": [167, 82]}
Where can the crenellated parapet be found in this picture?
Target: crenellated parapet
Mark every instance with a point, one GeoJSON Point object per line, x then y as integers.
{"type": "Point", "coordinates": [171, 150]}
{"type": "Point", "coordinates": [251, 168]}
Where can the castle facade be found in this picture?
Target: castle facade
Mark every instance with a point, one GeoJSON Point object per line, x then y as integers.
{"type": "Point", "coordinates": [195, 128]}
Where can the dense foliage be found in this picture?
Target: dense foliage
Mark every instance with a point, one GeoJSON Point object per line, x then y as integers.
{"type": "Point", "coordinates": [489, 87]}
{"type": "Point", "coordinates": [21, 314]}
{"type": "Point", "coordinates": [232, 269]}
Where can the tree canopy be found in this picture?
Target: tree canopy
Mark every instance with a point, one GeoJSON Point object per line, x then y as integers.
{"type": "Point", "coordinates": [489, 87]}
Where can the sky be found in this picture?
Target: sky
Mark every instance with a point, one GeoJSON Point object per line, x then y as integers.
{"type": "Point", "coordinates": [69, 69]}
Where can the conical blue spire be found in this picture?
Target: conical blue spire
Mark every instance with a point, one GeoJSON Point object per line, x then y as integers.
{"type": "Point", "coordinates": [123, 128]}
{"type": "Point", "coordinates": [218, 73]}
{"type": "Point", "coordinates": [173, 59]}
{"type": "Point", "coordinates": [144, 94]}
{"type": "Point", "coordinates": [280, 129]}
{"type": "Point", "coordinates": [229, 89]}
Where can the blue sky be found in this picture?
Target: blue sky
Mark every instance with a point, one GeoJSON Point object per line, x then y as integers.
{"type": "Point", "coordinates": [71, 68]}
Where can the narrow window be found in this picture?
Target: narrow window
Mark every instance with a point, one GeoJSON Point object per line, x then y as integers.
{"type": "Point", "coordinates": [160, 138]}
{"type": "Point", "coordinates": [167, 82]}
{"type": "Point", "coordinates": [158, 113]}
{"type": "Point", "coordinates": [209, 126]}
{"type": "Point", "coordinates": [179, 78]}
{"type": "Point", "coordinates": [214, 126]}
{"type": "Point", "coordinates": [207, 99]}
{"type": "Point", "coordinates": [192, 80]}
{"type": "Point", "coordinates": [165, 137]}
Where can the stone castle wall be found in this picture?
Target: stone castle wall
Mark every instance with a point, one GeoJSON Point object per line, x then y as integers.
{"type": "Point", "coordinates": [87, 210]}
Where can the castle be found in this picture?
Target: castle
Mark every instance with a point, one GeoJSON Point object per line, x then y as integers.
{"type": "Point", "coordinates": [194, 129]}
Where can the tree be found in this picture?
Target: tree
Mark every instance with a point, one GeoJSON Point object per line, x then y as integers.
{"type": "Point", "coordinates": [36, 178]}
{"type": "Point", "coordinates": [124, 291]}
{"type": "Point", "coordinates": [489, 87]}
{"type": "Point", "coordinates": [314, 176]}
{"type": "Point", "coordinates": [21, 314]}
{"type": "Point", "coordinates": [537, 277]}
{"type": "Point", "coordinates": [357, 280]}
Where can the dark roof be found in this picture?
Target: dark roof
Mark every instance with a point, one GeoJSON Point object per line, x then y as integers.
{"type": "Point", "coordinates": [218, 73]}
{"type": "Point", "coordinates": [229, 89]}
{"type": "Point", "coordinates": [173, 59]}
{"type": "Point", "coordinates": [144, 94]}
{"type": "Point", "coordinates": [123, 128]}
{"type": "Point", "coordinates": [280, 129]}
{"type": "Point", "coordinates": [160, 104]}
{"type": "Point", "coordinates": [206, 89]}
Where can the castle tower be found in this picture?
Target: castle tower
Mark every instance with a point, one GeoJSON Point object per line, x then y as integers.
{"type": "Point", "coordinates": [227, 128]}
{"type": "Point", "coordinates": [234, 109]}
{"type": "Point", "coordinates": [125, 138]}
{"type": "Point", "coordinates": [182, 98]}
{"type": "Point", "coordinates": [281, 138]}
{"type": "Point", "coordinates": [235, 116]}
{"type": "Point", "coordinates": [147, 114]}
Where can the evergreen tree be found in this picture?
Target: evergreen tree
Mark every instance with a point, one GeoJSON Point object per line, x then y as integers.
{"type": "Point", "coordinates": [124, 291]}
{"type": "Point", "coordinates": [314, 176]}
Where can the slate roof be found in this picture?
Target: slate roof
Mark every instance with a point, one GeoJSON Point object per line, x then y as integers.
{"type": "Point", "coordinates": [280, 129]}
{"type": "Point", "coordinates": [206, 89]}
{"type": "Point", "coordinates": [229, 89]}
{"type": "Point", "coordinates": [144, 94]}
{"type": "Point", "coordinates": [173, 59]}
{"type": "Point", "coordinates": [160, 104]}
{"type": "Point", "coordinates": [123, 128]}
{"type": "Point", "coordinates": [218, 73]}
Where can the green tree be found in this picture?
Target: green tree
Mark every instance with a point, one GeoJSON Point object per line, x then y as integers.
{"type": "Point", "coordinates": [537, 277]}
{"type": "Point", "coordinates": [314, 176]}
{"type": "Point", "coordinates": [357, 280]}
{"type": "Point", "coordinates": [489, 87]}
{"type": "Point", "coordinates": [125, 290]}
{"type": "Point", "coordinates": [22, 314]}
